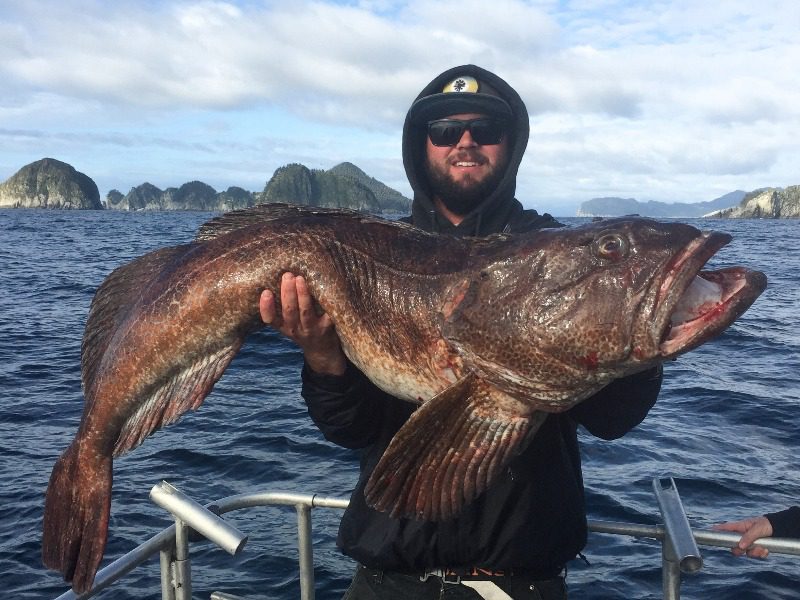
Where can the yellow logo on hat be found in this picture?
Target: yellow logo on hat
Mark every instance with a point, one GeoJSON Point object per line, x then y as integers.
{"type": "Point", "coordinates": [462, 84]}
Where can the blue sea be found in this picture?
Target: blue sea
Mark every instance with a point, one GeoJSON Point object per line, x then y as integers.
{"type": "Point", "coordinates": [725, 428]}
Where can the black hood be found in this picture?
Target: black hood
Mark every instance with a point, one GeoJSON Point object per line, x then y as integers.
{"type": "Point", "coordinates": [500, 205]}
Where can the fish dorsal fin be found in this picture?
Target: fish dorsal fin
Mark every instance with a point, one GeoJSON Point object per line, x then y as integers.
{"type": "Point", "coordinates": [450, 451]}
{"type": "Point", "coordinates": [113, 303]}
{"type": "Point", "coordinates": [184, 391]}
{"type": "Point", "coordinates": [264, 213]}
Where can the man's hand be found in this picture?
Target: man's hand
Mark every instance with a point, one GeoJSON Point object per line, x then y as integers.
{"type": "Point", "coordinates": [298, 320]}
{"type": "Point", "coordinates": [752, 529]}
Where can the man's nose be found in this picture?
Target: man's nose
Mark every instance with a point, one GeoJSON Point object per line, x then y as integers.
{"type": "Point", "coordinates": [466, 140]}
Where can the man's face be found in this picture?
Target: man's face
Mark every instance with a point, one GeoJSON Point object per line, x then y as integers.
{"type": "Point", "coordinates": [463, 175]}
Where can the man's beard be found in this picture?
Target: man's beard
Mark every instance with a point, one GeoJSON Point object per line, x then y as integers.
{"type": "Point", "coordinates": [462, 196]}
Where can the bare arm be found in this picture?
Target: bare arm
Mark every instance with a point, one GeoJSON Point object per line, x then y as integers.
{"type": "Point", "coordinates": [297, 319]}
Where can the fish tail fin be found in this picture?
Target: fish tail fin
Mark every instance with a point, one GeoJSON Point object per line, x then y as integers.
{"type": "Point", "coordinates": [76, 513]}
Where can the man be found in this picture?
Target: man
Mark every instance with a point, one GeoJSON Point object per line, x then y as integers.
{"type": "Point", "coordinates": [463, 141]}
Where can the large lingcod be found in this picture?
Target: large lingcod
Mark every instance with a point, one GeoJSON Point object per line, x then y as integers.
{"type": "Point", "coordinates": [487, 335]}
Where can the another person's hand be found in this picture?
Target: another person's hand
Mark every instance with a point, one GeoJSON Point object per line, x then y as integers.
{"type": "Point", "coordinates": [297, 319]}
{"type": "Point", "coordinates": [752, 529]}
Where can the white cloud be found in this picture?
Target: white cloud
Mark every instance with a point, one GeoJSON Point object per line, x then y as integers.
{"type": "Point", "coordinates": [669, 101]}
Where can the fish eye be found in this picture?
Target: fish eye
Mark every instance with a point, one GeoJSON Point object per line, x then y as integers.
{"type": "Point", "coordinates": [611, 246]}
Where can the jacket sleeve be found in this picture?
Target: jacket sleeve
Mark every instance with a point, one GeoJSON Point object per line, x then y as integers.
{"type": "Point", "coordinates": [620, 406]}
{"type": "Point", "coordinates": [785, 523]}
{"type": "Point", "coordinates": [345, 408]}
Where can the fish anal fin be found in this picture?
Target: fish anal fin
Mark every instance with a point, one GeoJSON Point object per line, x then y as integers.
{"type": "Point", "coordinates": [76, 514]}
{"type": "Point", "coordinates": [450, 451]}
{"type": "Point", "coordinates": [182, 392]}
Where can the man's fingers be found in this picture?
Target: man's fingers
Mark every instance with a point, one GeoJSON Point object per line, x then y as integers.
{"type": "Point", "coordinates": [747, 539]}
{"type": "Point", "coordinates": [325, 321]}
{"type": "Point", "coordinates": [759, 527]}
{"type": "Point", "coordinates": [289, 308]}
{"type": "Point", "coordinates": [735, 526]}
{"type": "Point", "coordinates": [266, 306]}
{"type": "Point", "coordinates": [305, 303]}
{"type": "Point", "coordinates": [750, 536]}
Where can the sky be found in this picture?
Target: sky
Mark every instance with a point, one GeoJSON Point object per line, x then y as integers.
{"type": "Point", "coordinates": [667, 100]}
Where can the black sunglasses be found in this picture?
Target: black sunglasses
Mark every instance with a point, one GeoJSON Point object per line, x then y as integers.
{"type": "Point", "coordinates": [484, 131]}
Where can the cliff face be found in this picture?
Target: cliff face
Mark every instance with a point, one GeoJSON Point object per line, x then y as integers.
{"type": "Point", "coordinates": [390, 200]}
{"type": "Point", "coordinates": [770, 203]}
{"type": "Point", "coordinates": [343, 186]}
{"type": "Point", "coordinates": [298, 184]}
{"type": "Point", "coordinates": [234, 198]}
{"type": "Point", "coordinates": [49, 183]}
{"type": "Point", "coordinates": [142, 197]}
{"type": "Point", "coordinates": [293, 183]}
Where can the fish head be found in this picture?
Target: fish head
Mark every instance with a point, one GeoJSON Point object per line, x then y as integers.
{"type": "Point", "coordinates": [557, 314]}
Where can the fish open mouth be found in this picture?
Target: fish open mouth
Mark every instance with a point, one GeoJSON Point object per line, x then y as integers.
{"type": "Point", "coordinates": [696, 305]}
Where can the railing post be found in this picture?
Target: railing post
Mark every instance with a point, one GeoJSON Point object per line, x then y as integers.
{"type": "Point", "coordinates": [176, 567]}
{"type": "Point", "coordinates": [670, 571]}
{"type": "Point", "coordinates": [182, 566]}
{"type": "Point", "coordinates": [679, 550]}
{"type": "Point", "coordinates": [166, 558]}
{"type": "Point", "coordinates": [306, 552]}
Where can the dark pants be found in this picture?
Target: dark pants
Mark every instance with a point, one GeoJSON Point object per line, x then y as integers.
{"type": "Point", "coordinates": [382, 585]}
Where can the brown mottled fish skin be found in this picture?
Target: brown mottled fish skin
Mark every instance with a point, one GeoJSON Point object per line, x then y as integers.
{"type": "Point", "coordinates": [491, 334]}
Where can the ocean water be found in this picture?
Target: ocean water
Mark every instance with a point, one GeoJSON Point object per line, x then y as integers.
{"type": "Point", "coordinates": [725, 428]}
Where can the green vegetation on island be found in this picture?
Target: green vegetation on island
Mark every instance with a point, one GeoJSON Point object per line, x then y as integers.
{"type": "Point", "coordinates": [49, 183]}
{"type": "Point", "coordinates": [769, 203]}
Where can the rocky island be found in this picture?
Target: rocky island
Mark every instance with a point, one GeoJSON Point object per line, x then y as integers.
{"type": "Point", "coordinates": [770, 203]}
{"type": "Point", "coordinates": [194, 195]}
{"type": "Point", "coordinates": [617, 207]}
{"type": "Point", "coordinates": [49, 183]}
{"type": "Point", "coordinates": [343, 186]}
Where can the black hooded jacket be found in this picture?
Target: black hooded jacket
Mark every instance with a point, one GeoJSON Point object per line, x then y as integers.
{"type": "Point", "coordinates": [533, 518]}
{"type": "Point", "coordinates": [500, 211]}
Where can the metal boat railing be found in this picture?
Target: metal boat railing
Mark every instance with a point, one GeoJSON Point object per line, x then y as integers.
{"type": "Point", "coordinates": [679, 542]}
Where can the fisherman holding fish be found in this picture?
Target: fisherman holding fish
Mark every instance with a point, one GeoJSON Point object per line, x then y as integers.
{"type": "Point", "coordinates": [463, 141]}
{"type": "Point", "coordinates": [461, 366]}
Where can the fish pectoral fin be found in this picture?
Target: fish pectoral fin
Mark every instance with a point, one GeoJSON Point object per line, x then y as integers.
{"type": "Point", "coordinates": [450, 451]}
{"type": "Point", "coordinates": [183, 392]}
